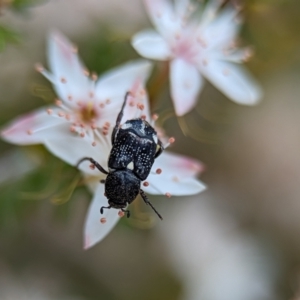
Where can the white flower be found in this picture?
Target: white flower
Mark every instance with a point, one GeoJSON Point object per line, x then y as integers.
{"type": "Point", "coordinates": [82, 123]}
{"type": "Point", "coordinates": [171, 175]}
{"type": "Point", "coordinates": [196, 48]}
{"type": "Point", "coordinates": [86, 108]}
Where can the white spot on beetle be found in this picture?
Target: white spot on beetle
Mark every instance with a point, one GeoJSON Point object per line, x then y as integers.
{"type": "Point", "coordinates": [130, 166]}
{"type": "Point", "coordinates": [126, 125]}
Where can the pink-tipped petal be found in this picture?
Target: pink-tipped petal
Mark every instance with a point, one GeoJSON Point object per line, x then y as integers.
{"type": "Point", "coordinates": [234, 81]}
{"type": "Point", "coordinates": [178, 165]}
{"type": "Point", "coordinates": [167, 185]}
{"type": "Point", "coordinates": [68, 71]}
{"type": "Point", "coordinates": [32, 128]}
{"type": "Point", "coordinates": [177, 175]}
{"type": "Point", "coordinates": [186, 84]}
{"type": "Point", "coordinates": [97, 226]}
{"type": "Point", "coordinates": [150, 44]}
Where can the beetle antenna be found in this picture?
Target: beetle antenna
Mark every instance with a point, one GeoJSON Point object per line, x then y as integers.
{"type": "Point", "coordinates": [145, 198]}
{"type": "Point", "coordinates": [94, 163]}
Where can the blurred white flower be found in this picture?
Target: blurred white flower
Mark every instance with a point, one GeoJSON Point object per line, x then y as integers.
{"type": "Point", "coordinates": [197, 47]}
{"type": "Point", "coordinates": [81, 125]}
{"type": "Point", "coordinates": [86, 107]}
{"type": "Point", "coordinates": [214, 259]}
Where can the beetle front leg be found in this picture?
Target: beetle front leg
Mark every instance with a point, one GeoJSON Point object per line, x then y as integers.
{"type": "Point", "coordinates": [96, 164]}
{"type": "Point", "coordinates": [160, 150]}
{"type": "Point", "coordinates": [145, 198]}
{"type": "Point", "coordinates": [119, 118]}
{"type": "Point", "coordinates": [101, 209]}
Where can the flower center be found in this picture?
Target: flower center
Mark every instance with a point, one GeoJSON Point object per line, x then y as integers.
{"type": "Point", "coordinates": [88, 113]}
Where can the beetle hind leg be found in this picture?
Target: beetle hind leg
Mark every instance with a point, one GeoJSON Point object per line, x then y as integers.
{"type": "Point", "coordinates": [126, 211]}
{"type": "Point", "coordinates": [145, 198]}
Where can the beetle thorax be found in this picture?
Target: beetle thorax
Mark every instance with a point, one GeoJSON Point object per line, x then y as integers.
{"type": "Point", "coordinates": [121, 188]}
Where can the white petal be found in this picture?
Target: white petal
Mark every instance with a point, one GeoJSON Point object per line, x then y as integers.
{"type": "Point", "coordinates": [94, 230]}
{"type": "Point", "coordinates": [31, 128]}
{"type": "Point", "coordinates": [182, 7]}
{"type": "Point", "coordinates": [67, 69]}
{"type": "Point", "coordinates": [222, 31]}
{"type": "Point", "coordinates": [178, 165]}
{"type": "Point", "coordinates": [186, 83]}
{"type": "Point", "coordinates": [163, 17]}
{"type": "Point", "coordinates": [150, 44]}
{"type": "Point", "coordinates": [115, 83]}
{"type": "Point", "coordinates": [233, 80]}
{"type": "Point", "coordinates": [71, 148]}
{"type": "Point", "coordinates": [163, 184]}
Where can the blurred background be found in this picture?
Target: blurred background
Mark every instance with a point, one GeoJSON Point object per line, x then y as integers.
{"type": "Point", "coordinates": [239, 240]}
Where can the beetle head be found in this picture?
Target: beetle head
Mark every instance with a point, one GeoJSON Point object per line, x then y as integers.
{"type": "Point", "coordinates": [121, 188]}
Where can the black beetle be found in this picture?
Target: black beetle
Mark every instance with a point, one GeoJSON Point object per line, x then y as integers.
{"type": "Point", "coordinates": [135, 146]}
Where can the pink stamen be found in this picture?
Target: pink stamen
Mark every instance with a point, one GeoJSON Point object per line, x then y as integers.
{"type": "Point", "coordinates": [158, 171]}
{"type": "Point", "coordinates": [168, 195]}
{"type": "Point", "coordinates": [103, 220]}
{"type": "Point", "coordinates": [63, 80]}
{"type": "Point", "coordinates": [146, 183]}
{"type": "Point", "coordinates": [121, 214]}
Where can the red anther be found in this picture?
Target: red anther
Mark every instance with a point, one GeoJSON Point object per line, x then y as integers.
{"type": "Point", "coordinates": [141, 106]}
{"type": "Point", "coordinates": [72, 128]}
{"type": "Point", "coordinates": [70, 98]}
{"type": "Point", "coordinates": [39, 67]}
{"type": "Point", "coordinates": [105, 132]}
{"type": "Point", "coordinates": [145, 183]}
{"type": "Point", "coordinates": [63, 80]}
{"type": "Point", "coordinates": [102, 105]}
{"type": "Point", "coordinates": [74, 49]}
{"type": "Point", "coordinates": [61, 114]}
{"type": "Point", "coordinates": [86, 72]}
{"type": "Point", "coordinates": [49, 111]}
{"type": "Point", "coordinates": [171, 140]}
{"type": "Point", "coordinates": [143, 117]}
{"type": "Point", "coordinates": [94, 144]}
{"type": "Point", "coordinates": [168, 195]}
{"type": "Point", "coordinates": [103, 220]}
{"type": "Point", "coordinates": [92, 166]}
{"type": "Point", "coordinates": [158, 171]}
{"type": "Point", "coordinates": [121, 213]}
{"type": "Point", "coordinates": [131, 103]}
{"type": "Point", "coordinates": [93, 126]}
{"type": "Point", "coordinates": [58, 102]}
{"type": "Point", "coordinates": [29, 132]}
{"type": "Point", "coordinates": [107, 101]}
{"type": "Point", "coordinates": [82, 134]}
{"type": "Point", "coordinates": [154, 117]}
{"type": "Point", "coordinates": [94, 76]}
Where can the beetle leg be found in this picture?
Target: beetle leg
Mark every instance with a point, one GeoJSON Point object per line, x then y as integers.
{"type": "Point", "coordinates": [96, 164]}
{"type": "Point", "coordinates": [119, 118]}
{"type": "Point", "coordinates": [126, 211]}
{"type": "Point", "coordinates": [102, 181]}
{"type": "Point", "coordinates": [101, 209]}
{"type": "Point", "coordinates": [145, 198]}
